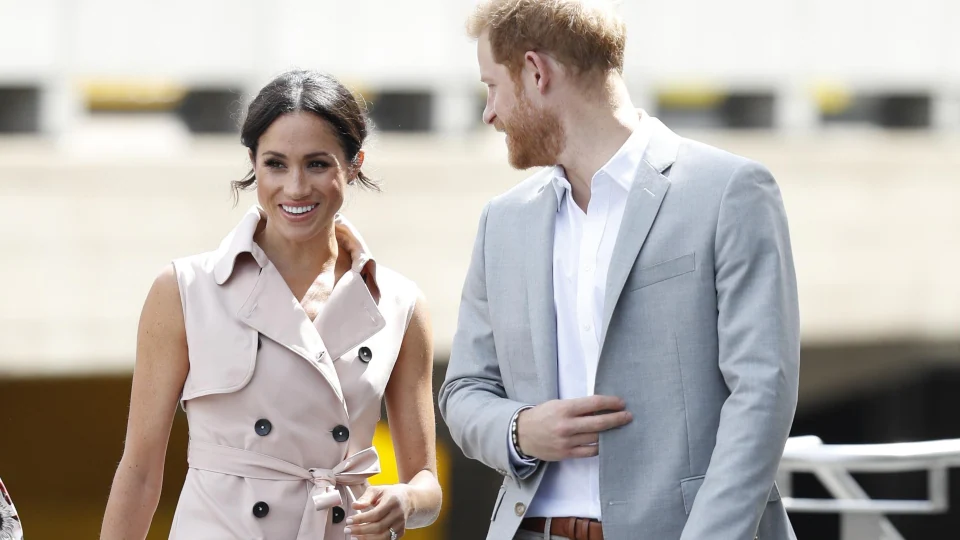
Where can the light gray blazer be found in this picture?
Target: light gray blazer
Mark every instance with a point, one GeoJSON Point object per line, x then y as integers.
{"type": "Point", "coordinates": [700, 337]}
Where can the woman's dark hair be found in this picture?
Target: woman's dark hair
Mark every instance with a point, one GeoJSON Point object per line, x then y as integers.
{"type": "Point", "coordinates": [314, 92]}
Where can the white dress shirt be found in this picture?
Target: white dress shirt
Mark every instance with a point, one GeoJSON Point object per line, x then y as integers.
{"type": "Point", "coordinates": [582, 248]}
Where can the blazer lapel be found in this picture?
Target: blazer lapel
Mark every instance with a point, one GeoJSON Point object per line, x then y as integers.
{"type": "Point", "coordinates": [643, 203]}
{"type": "Point", "coordinates": [539, 285]}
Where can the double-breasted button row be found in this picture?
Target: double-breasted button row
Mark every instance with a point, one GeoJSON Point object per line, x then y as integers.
{"type": "Point", "coordinates": [340, 433]}
{"type": "Point", "coordinates": [261, 509]}
{"type": "Point", "coordinates": [263, 427]}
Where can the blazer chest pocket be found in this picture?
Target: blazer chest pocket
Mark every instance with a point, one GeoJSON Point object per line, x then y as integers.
{"type": "Point", "coordinates": [644, 277]}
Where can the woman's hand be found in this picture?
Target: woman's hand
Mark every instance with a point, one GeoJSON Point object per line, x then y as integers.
{"type": "Point", "coordinates": [381, 508]}
{"type": "Point", "coordinates": [414, 502]}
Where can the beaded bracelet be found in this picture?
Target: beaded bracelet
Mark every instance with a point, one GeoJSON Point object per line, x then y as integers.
{"type": "Point", "coordinates": [516, 438]}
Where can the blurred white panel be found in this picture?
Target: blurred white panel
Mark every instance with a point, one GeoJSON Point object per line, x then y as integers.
{"type": "Point", "coordinates": [739, 40]}
{"type": "Point", "coordinates": [28, 39]}
{"type": "Point", "coordinates": [187, 40]}
{"type": "Point", "coordinates": [950, 50]}
{"type": "Point", "coordinates": [421, 43]}
{"type": "Point", "coordinates": [786, 47]}
{"type": "Point", "coordinates": [375, 42]}
{"type": "Point", "coordinates": [879, 42]}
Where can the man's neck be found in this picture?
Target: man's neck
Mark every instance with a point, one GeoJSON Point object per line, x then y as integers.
{"type": "Point", "coordinates": [593, 136]}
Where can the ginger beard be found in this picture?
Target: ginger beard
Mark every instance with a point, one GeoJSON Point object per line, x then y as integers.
{"type": "Point", "coordinates": [535, 136]}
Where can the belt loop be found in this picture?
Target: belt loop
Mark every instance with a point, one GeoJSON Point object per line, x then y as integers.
{"type": "Point", "coordinates": [582, 527]}
{"type": "Point", "coordinates": [546, 529]}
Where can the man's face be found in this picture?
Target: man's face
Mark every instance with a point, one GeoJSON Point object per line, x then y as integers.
{"type": "Point", "coordinates": [534, 133]}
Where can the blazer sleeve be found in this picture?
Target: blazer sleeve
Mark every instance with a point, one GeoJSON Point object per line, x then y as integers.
{"type": "Point", "coordinates": [472, 399]}
{"type": "Point", "coordinates": [758, 327]}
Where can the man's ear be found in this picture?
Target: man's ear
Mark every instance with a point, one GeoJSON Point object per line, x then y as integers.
{"type": "Point", "coordinates": [542, 68]}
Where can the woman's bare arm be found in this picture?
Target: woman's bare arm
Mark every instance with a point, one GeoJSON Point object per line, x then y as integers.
{"type": "Point", "coordinates": [409, 397]}
{"type": "Point", "coordinates": [158, 377]}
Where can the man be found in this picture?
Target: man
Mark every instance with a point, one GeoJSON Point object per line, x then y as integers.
{"type": "Point", "coordinates": [627, 352]}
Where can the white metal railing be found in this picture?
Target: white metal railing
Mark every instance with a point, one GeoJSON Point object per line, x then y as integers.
{"type": "Point", "coordinates": [863, 518]}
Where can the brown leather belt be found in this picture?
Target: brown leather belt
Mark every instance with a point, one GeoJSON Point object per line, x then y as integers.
{"type": "Point", "coordinates": [568, 527]}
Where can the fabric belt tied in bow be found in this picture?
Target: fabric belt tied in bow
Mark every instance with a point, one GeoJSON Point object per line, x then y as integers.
{"type": "Point", "coordinates": [329, 485]}
{"type": "Point", "coordinates": [353, 471]}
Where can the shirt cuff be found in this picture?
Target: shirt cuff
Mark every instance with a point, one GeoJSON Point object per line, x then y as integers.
{"type": "Point", "coordinates": [518, 463]}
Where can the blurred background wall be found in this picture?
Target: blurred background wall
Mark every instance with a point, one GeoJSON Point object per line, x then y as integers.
{"type": "Point", "coordinates": [118, 140]}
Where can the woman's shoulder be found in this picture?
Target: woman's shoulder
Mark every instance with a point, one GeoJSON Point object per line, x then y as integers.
{"type": "Point", "coordinates": [400, 291]}
{"type": "Point", "coordinates": [397, 288]}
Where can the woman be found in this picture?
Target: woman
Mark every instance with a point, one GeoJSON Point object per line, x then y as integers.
{"type": "Point", "coordinates": [9, 521]}
{"type": "Point", "coordinates": [280, 346]}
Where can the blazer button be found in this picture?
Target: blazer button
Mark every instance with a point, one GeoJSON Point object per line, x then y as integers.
{"type": "Point", "coordinates": [366, 355]}
{"type": "Point", "coordinates": [341, 434]}
{"type": "Point", "coordinates": [520, 508]}
{"type": "Point", "coordinates": [338, 514]}
{"type": "Point", "coordinates": [263, 427]}
{"type": "Point", "coordinates": [261, 509]}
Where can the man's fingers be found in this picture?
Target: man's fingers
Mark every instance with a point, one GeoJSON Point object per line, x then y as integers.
{"type": "Point", "coordinates": [601, 422]}
{"type": "Point", "coordinates": [584, 451]}
{"type": "Point", "coordinates": [594, 404]}
{"type": "Point", "coordinates": [583, 439]}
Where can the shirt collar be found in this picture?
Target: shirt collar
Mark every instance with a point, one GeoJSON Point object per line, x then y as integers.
{"type": "Point", "coordinates": [240, 240]}
{"type": "Point", "coordinates": [622, 168]}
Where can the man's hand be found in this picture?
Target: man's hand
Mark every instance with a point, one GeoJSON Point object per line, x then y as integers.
{"type": "Point", "coordinates": [569, 428]}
